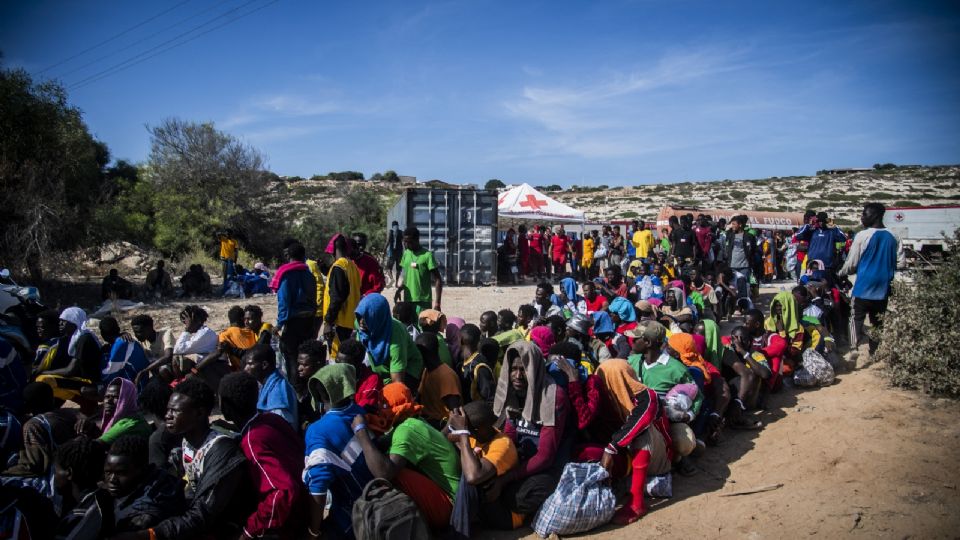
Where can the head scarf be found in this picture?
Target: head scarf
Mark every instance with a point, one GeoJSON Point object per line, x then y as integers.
{"type": "Point", "coordinates": [126, 404]}
{"type": "Point", "coordinates": [622, 383]}
{"type": "Point", "coordinates": [375, 312]}
{"type": "Point", "coordinates": [330, 248]}
{"type": "Point", "coordinates": [679, 284]}
{"type": "Point", "coordinates": [78, 318]}
{"type": "Point", "coordinates": [454, 324]}
{"type": "Point", "coordinates": [700, 344]}
{"type": "Point", "coordinates": [624, 309]}
{"type": "Point", "coordinates": [339, 381]}
{"type": "Point", "coordinates": [635, 265]}
{"type": "Point", "coordinates": [432, 316]}
{"type": "Point", "coordinates": [711, 335]}
{"type": "Point", "coordinates": [260, 266]}
{"type": "Point", "coordinates": [602, 323]}
{"type": "Point", "coordinates": [397, 405]}
{"type": "Point", "coordinates": [684, 345]}
{"type": "Point", "coordinates": [543, 337]}
{"type": "Point", "coordinates": [540, 403]}
{"type": "Point", "coordinates": [788, 307]}
{"type": "Point", "coordinates": [569, 286]}
{"type": "Point", "coordinates": [647, 306]}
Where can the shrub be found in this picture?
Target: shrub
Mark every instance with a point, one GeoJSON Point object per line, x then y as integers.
{"type": "Point", "coordinates": [919, 344]}
{"type": "Point", "coordinates": [629, 214]}
{"type": "Point", "coordinates": [905, 203]}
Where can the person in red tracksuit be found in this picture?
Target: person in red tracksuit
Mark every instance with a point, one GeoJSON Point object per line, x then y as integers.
{"type": "Point", "coordinates": [274, 455]}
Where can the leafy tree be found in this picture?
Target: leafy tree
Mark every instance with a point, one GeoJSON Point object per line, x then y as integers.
{"type": "Point", "coordinates": [360, 210]}
{"type": "Point", "coordinates": [391, 176]}
{"type": "Point", "coordinates": [377, 177]}
{"type": "Point", "coordinates": [318, 177]}
{"type": "Point", "coordinates": [345, 176]}
{"type": "Point", "coordinates": [51, 172]}
{"type": "Point", "coordinates": [494, 183]}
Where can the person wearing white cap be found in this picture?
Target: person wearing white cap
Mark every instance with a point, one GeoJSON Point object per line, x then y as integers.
{"type": "Point", "coordinates": [76, 368]}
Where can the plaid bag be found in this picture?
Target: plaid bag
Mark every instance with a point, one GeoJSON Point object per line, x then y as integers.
{"type": "Point", "coordinates": [582, 501]}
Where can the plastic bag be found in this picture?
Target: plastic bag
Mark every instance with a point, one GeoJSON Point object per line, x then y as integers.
{"type": "Point", "coordinates": [814, 370]}
{"type": "Point", "coordinates": [582, 501]}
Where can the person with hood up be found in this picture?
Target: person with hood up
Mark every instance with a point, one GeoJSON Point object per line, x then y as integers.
{"type": "Point", "coordinates": [80, 359]}
{"type": "Point", "coordinates": [391, 351]}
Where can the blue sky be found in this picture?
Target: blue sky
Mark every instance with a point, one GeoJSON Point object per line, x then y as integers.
{"type": "Point", "coordinates": [616, 93]}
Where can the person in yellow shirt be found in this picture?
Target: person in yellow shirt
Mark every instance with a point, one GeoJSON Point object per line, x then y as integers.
{"type": "Point", "coordinates": [642, 240]}
{"type": "Point", "coordinates": [586, 261]}
{"type": "Point", "coordinates": [341, 294]}
{"type": "Point", "coordinates": [229, 250]}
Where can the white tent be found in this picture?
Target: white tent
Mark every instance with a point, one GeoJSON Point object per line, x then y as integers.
{"type": "Point", "coordinates": [524, 202]}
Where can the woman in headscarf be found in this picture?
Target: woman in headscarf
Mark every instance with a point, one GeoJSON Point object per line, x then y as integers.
{"type": "Point", "coordinates": [532, 411]}
{"type": "Point", "coordinates": [711, 335]}
{"type": "Point", "coordinates": [83, 357]}
{"type": "Point", "coordinates": [785, 321]}
{"type": "Point", "coordinates": [675, 309]}
{"type": "Point", "coordinates": [568, 300]}
{"type": "Point", "coordinates": [610, 344]}
{"type": "Point", "coordinates": [543, 337]}
{"type": "Point", "coordinates": [391, 352]}
{"type": "Point", "coordinates": [120, 416]}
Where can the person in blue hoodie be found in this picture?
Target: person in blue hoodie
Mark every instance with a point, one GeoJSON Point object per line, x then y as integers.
{"type": "Point", "coordinates": [122, 357]}
{"type": "Point", "coordinates": [874, 257]}
{"type": "Point", "coordinates": [296, 304]}
{"type": "Point", "coordinates": [823, 241]}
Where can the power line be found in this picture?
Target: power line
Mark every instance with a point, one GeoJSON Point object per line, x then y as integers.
{"type": "Point", "coordinates": [144, 39]}
{"type": "Point", "coordinates": [160, 49]}
{"type": "Point", "coordinates": [112, 38]}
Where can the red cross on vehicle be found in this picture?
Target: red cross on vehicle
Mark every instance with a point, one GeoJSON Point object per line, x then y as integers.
{"type": "Point", "coordinates": [534, 203]}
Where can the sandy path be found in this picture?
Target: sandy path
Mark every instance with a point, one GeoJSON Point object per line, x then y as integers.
{"type": "Point", "coordinates": [856, 459]}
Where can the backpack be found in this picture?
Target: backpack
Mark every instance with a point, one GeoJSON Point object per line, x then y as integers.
{"type": "Point", "coordinates": [385, 513]}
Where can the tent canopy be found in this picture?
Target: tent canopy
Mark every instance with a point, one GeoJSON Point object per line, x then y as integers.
{"type": "Point", "coordinates": [524, 202]}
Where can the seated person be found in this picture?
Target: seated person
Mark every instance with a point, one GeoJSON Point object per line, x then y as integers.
{"type": "Point", "coordinates": [433, 322]}
{"type": "Point", "coordinates": [418, 459]}
{"type": "Point", "coordinates": [49, 427]}
{"type": "Point", "coordinates": [124, 358]}
{"type": "Point", "coordinates": [114, 286]}
{"type": "Point", "coordinates": [142, 494]}
{"type": "Point", "coordinates": [195, 343]}
{"type": "Point", "coordinates": [476, 378]}
{"type": "Point", "coordinates": [77, 468]}
{"type": "Point", "coordinates": [369, 384]}
{"type": "Point", "coordinates": [256, 281]}
{"type": "Point", "coordinates": [276, 395]}
{"type": "Point", "coordinates": [233, 342]}
{"type": "Point", "coordinates": [771, 344]}
{"type": "Point", "coordinates": [532, 410]}
{"type": "Point", "coordinates": [157, 344]}
{"type": "Point", "coordinates": [253, 321]}
{"type": "Point", "coordinates": [78, 378]}
{"type": "Point", "coordinates": [120, 416]}
{"type": "Point", "coordinates": [153, 401]}
{"type": "Point", "coordinates": [158, 283]}
{"type": "Point", "coordinates": [48, 336]}
{"type": "Point", "coordinates": [406, 313]}
{"type": "Point", "coordinates": [214, 468]}
{"type": "Point", "coordinates": [583, 389]}
{"type": "Point", "coordinates": [595, 301]}
{"type": "Point", "coordinates": [274, 458]}
{"type": "Point", "coordinates": [485, 454]}
{"type": "Point", "coordinates": [439, 387]}
{"type": "Point", "coordinates": [311, 356]}
{"type": "Point", "coordinates": [331, 465]}
{"type": "Point", "coordinates": [506, 333]}
{"type": "Point", "coordinates": [526, 315]}
{"type": "Point", "coordinates": [390, 349]}
{"type": "Point", "coordinates": [489, 325]}
{"type": "Point", "coordinates": [196, 282]}
{"type": "Point", "coordinates": [661, 368]}
{"type": "Point", "coordinates": [751, 368]}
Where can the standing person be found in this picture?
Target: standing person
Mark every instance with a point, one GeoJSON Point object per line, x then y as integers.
{"type": "Point", "coordinates": [874, 257]}
{"type": "Point", "coordinates": [739, 251]}
{"type": "Point", "coordinates": [704, 234]}
{"type": "Point", "coordinates": [296, 303]}
{"type": "Point", "coordinates": [559, 249]}
{"type": "Point", "coordinates": [536, 251]}
{"type": "Point", "coordinates": [523, 251]}
{"type": "Point", "coordinates": [823, 239]}
{"type": "Point", "coordinates": [371, 274]}
{"type": "Point", "coordinates": [341, 294]}
{"type": "Point", "coordinates": [394, 251]}
{"type": "Point", "coordinates": [547, 239]}
{"type": "Point", "coordinates": [616, 247]}
{"type": "Point", "coordinates": [229, 250]}
{"type": "Point", "coordinates": [684, 244]}
{"type": "Point", "coordinates": [642, 240]}
{"type": "Point", "coordinates": [769, 267]}
{"type": "Point", "coordinates": [419, 267]}
{"type": "Point", "coordinates": [587, 261]}
{"type": "Point", "coordinates": [274, 459]}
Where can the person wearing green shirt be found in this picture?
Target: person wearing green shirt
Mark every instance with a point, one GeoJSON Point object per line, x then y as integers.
{"type": "Point", "coordinates": [418, 460]}
{"type": "Point", "coordinates": [391, 351]}
{"type": "Point", "coordinates": [418, 266]}
{"type": "Point", "coordinates": [657, 369]}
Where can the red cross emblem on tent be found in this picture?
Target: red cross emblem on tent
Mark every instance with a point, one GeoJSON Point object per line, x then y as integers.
{"type": "Point", "coordinates": [899, 216]}
{"type": "Point", "coordinates": [534, 203]}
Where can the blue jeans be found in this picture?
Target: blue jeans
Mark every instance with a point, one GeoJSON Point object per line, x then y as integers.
{"type": "Point", "coordinates": [743, 284]}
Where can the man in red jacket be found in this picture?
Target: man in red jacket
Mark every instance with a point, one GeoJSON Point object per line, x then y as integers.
{"type": "Point", "coordinates": [274, 457]}
{"type": "Point", "coordinates": [371, 273]}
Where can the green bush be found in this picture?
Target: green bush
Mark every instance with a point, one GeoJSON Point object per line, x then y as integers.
{"type": "Point", "coordinates": [920, 345]}
{"type": "Point", "coordinates": [905, 203]}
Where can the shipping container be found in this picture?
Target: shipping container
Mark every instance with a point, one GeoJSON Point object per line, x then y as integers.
{"type": "Point", "coordinates": [458, 226]}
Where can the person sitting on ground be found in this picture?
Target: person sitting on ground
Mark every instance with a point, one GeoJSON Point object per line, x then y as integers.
{"type": "Point", "coordinates": [311, 356]}
{"type": "Point", "coordinates": [78, 378]}
{"type": "Point", "coordinates": [48, 341]}
{"type": "Point", "coordinates": [78, 467]}
{"type": "Point", "coordinates": [213, 466]}
{"type": "Point", "coordinates": [120, 416]}
{"type": "Point", "coordinates": [256, 282]}
{"type": "Point", "coordinates": [276, 394]}
{"type": "Point", "coordinates": [542, 336]}
{"type": "Point", "coordinates": [675, 309]}
{"type": "Point", "coordinates": [332, 464]}
{"type": "Point", "coordinates": [123, 358]}
{"type": "Point", "coordinates": [273, 451]}
{"type": "Point", "coordinates": [567, 299]}
{"type": "Point", "coordinates": [192, 352]}
{"type": "Point", "coordinates": [196, 283]}
{"type": "Point", "coordinates": [542, 302]}
{"type": "Point", "coordinates": [392, 353]}
{"type": "Point", "coordinates": [506, 333]}
{"type": "Point", "coordinates": [49, 427]}
{"type": "Point", "coordinates": [485, 454]}
{"type": "Point", "coordinates": [440, 387]}
{"type": "Point", "coordinates": [595, 301]}
{"type": "Point", "coordinates": [476, 376]}
{"type": "Point", "coordinates": [751, 368]}
{"type": "Point", "coordinates": [433, 322]}
{"type": "Point", "coordinates": [786, 320]}
{"type": "Point", "coordinates": [451, 338]}
{"type": "Point", "coordinates": [153, 403]}
{"type": "Point", "coordinates": [578, 330]}
{"type": "Point", "coordinates": [583, 389]}
{"type": "Point", "coordinates": [532, 410]}
{"type": "Point", "coordinates": [771, 344]}
{"type": "Point", "coordinates": [526, 317]}
{"type": "Point", "coordinates": [233, 342]}
{"type": "Point", "coordinates": [413, 444]}
{"type": "Point", "coordinates": [142, 494]}
{"type": "Point", "coordinates": [157, 344]}
{"type": "Point", "coordinates": [158, 284]}
{"type": "Point", "coordinates": [406, 313]}
{"type": "Point", "coordinates": [369, 384]}
{"type": "Point", "coordinates": [489, 324]}
{"type": "Point", "coordinates": [115, 287]}
{"type": "Point", "coordinates": [371, 273]}
{"type": "Point", "coordinates": [613, 285]}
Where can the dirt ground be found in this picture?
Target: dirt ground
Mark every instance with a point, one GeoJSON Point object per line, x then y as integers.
{"type": "Point", "coordinates": [856, 459]}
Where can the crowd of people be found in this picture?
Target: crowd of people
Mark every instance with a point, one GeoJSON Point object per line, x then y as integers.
{"type": "Point", "coordinates": [278, 430]}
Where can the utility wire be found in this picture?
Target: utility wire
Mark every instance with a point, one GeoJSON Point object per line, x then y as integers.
{"type": "Point", "coordinates": [112, 38]}
{"type": "Point", "coordinates": [142, 40]}
{"type": "Point", "coordinates": [150, 53]}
